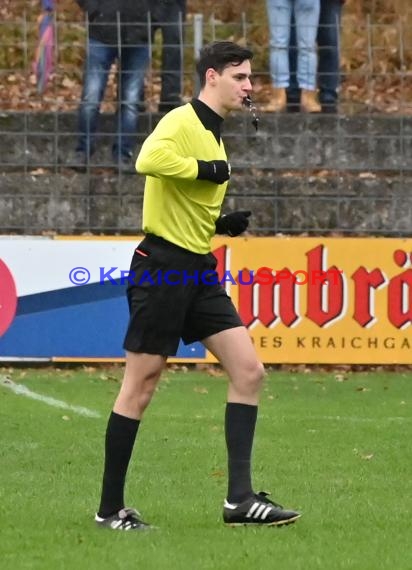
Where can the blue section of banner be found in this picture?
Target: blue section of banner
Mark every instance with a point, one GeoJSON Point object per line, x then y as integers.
{"type": "Point", "coordinates": [92, 293]}
{"type": "Point", "coordinates": [88, 321]}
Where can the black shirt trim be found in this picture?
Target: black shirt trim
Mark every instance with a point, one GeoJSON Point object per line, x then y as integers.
{"type": "Point", "coordinates": [209, 119]}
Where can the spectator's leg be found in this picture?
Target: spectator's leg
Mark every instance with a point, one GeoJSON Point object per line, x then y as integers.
{"type": "Point", "coordinates": [293, 91]}
{"type": "Point", "coordinates": [329, 53]}
{"type": "Point", "coordinates": [307, 21]}
{"type": "Point", "coordinates": [142, 101]}
{"type": "Point", "coordinates": [99, 58]}
{"type": "Point", "coordinates": [172, 57]}
{"type": "Point", "coordinates": [279, 16]}
{"type": "Point", "coordinates": [133, 64]}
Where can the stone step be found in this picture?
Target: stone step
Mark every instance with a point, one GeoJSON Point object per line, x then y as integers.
{"type": "Point", "coordinates": [288, 141]}
{"type": "Point", "coordinates": [104, 201]}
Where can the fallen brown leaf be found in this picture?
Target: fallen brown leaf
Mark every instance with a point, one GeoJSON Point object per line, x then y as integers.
{"type": "Point", "coordinates": [200, 390]}
{"type": "Point", "coordinates": [218, 474]}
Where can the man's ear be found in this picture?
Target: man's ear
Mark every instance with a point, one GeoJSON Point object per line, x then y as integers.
{"type": "Point", "coordinates": [211, 75]}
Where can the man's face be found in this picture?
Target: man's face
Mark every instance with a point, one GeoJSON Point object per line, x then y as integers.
{"type": "Point", "coordinates": [233, 85]}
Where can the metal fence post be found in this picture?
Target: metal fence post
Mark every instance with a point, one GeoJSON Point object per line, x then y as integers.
{"type": "Point", "coordinates": [197, 44]}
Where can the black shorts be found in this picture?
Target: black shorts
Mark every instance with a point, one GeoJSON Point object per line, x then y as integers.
{"type": "Point", "coordinates": [172, 294]}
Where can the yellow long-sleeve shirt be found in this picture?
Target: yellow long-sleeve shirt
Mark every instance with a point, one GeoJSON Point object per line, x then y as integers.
{"type": "Point", "coordinates": [177, 206]}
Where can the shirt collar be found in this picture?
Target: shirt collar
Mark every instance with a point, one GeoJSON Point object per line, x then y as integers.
{"type": "Point", "coordinates": [209, 119]}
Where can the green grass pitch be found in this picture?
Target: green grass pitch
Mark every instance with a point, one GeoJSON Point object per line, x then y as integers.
{"type": "Point", "coordinates": [336, 447]}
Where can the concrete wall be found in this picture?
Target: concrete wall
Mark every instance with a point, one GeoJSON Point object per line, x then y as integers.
{"type": "Point", "coordinates": [299, 173]}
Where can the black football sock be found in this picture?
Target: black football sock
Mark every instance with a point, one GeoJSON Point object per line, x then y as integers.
{"type": "Point", "coordinates": [120, 437]}
{"type": "Point", "coordinates": [240, 421]}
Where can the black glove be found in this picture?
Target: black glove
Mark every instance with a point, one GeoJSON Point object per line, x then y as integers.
{"type": "Point", "coordinates": [233, 224]}
{"type": "Point", "coordinates": [217, 171]}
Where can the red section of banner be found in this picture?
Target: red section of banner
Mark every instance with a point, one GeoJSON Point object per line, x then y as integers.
{"type": "Point", "coordinates": [8, 298]}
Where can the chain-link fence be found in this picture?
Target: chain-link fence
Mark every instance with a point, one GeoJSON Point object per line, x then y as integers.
{"type": "Point", "coordinates": [347, 172]}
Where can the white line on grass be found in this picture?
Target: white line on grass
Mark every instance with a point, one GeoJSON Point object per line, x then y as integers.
{"type": "Point", "coordinates": [21, 390]}
{"type": "Point", "coordinates": [361, 419]}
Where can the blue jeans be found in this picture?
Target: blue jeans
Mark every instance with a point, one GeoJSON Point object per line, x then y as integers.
{"type": "Point", "coordinates": [133, 61]}
{"type": "Point", "coordinates": [328, 56]}
{"type": "Point", "coordinates": [306, 14]}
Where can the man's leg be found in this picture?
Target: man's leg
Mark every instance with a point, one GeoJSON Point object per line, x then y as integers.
{"type": "Point", "coordinates": [133, 65]}
{"type": "Point", "coordinates": [99, 58]}
{"type": "Point", "coordinates": [172, 57]}
{"type": "Point", "coordinates": [235, 351]}
{"type": "Point", "coordinates": [279, 15]}
{"type": "Point", "coordinates": [293, 91]}
{"type": "Point", "coordinates": [307, 21]}
{"type": "Point", "coordinates": [141, 376]}
{"type": "Point", "coordinates": [329, 53]}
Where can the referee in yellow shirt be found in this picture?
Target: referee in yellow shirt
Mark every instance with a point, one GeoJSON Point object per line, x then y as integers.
{"type": "Point", "coordinates": [175, 293]}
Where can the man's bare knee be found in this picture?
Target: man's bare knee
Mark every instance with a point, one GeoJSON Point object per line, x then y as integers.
{"type": "Point", "coordinates": [256, 373]}
{"type": "Point", "coordinates": [249, 380]}
{"type": "Point", "coordinates": [148, 387]}
{"type": "Point", "coordinates": [142, 374]}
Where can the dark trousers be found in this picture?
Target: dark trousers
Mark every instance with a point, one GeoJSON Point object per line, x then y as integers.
{"type": "Point", "coordinates": [169, 18]}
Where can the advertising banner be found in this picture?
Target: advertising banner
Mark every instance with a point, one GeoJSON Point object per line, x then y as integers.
{"type": "Point", "coordinates": [303, 300]}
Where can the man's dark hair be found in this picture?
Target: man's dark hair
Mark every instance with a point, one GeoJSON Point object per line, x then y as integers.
{"type": "Point", "coordinates": [218, 55]}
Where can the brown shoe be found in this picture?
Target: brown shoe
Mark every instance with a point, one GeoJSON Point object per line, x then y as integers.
{"type": "Point", "coordinates": [279, 99]}
{"type": "Point", "coordinates": [309, 102]}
